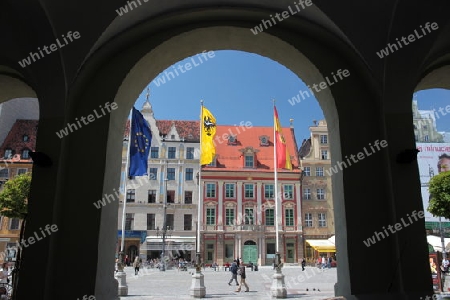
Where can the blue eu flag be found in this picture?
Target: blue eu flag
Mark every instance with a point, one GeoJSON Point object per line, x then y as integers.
{"type": "Point", "coordinates": [140, 139]}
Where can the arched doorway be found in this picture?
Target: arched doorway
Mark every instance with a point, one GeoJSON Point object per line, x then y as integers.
{"type": "Point", "coordinates": [250, 252]}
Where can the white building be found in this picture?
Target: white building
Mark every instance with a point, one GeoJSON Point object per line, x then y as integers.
{"type": "Point", "coordinates": [173, 156]}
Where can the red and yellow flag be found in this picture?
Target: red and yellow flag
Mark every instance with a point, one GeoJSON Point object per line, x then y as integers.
{"type": "Point", "coordinates": [282, 154]}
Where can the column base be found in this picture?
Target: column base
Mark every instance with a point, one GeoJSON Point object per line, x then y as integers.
{"type": "Point", "coordinates": [198, 289]}
{"type": "Point", "coordinates": [122, 280]}
{"type": "Point", "coordinates": [278, 288]}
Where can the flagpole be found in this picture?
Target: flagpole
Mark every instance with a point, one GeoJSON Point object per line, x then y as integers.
{"type": "Point", "coordinates": [199, 210]}
{"type": "Point", "coordinates": [198, 289]}
{"type": "Point", "coordinates": [275, 164]}
{"type": "Point", "coordinates": [278, 288]}
{"type": "Point", "coordinates": [122, 244]}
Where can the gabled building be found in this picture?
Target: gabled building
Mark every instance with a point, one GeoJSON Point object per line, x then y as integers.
{"type": "Point", "coordinates": [15, 160]}
{"type": "Point", "coordinates": [238, 212]}
{"type": "Point", "coordinates": [173, 166]}
{"type": "Point", "coordinates": [317, 198]}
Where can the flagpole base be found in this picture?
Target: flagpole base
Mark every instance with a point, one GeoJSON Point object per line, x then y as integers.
{"type": "Point", "coordinates": [278, 288]}
{"type": "Point", "coordinates": [198, 289]}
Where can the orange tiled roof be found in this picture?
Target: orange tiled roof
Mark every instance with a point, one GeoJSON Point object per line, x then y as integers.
{"type": "Point", "coordinates": [229, 156]}
{"type": "Point", "coordinates": [14, 139]}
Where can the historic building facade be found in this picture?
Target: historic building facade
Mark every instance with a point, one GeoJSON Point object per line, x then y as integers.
{"type": "Point", "coordinates": [317, 198]}
{"type": "Point", "coordinates": [238, 192]}
{"type": "Point", "coordinates": [15, 160]}
{"type": "Point", "coordinates": [173, 166]}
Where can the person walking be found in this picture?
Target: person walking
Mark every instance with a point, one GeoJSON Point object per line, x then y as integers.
{"type": "Point", "coordinates": [136, 265]}
{"type": "Point", "coordinates": [233, 270]}
{"type": "Point", "coordinates": [241, 271]}
{"type": "Point", "coordinates": [303, 264]}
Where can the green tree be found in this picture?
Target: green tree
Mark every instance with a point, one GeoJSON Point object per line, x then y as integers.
{"type": "Point", "coordinates": [14, 196]}
{"type": "Point", "coordinates": [440, 195]}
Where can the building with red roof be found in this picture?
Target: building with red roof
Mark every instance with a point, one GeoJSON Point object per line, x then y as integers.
{"type": "Point", "coordinates": [238, 208]}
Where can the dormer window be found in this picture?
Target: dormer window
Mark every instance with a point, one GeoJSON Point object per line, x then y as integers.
{"type": "Point", "coordinates": [25, 154]}
{"type": "Point", "coordinates": [249, 160]}
{"type": "Point", "coordinates": [264, 140]}
{"type": "Point", "coordinates": [232, 140]}
{"type": "Point", "coordinates": [172, 137]}
{"type": "Point", "coordinates": [8, 153]}
{"type": "Point", "coordinates": [26, 138]}
{"type": "Point", "coordinates": [213, 163]}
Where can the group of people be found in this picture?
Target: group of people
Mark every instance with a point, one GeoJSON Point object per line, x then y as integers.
{"type": "Point", "coordinates": [238, 268]}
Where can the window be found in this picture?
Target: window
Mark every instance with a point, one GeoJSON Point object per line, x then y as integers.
{"type": "Point", "coordinates": [307, 194]}
{"type": "Point", "coordinates": [307, 171]}
{"type": "Point", "coordinates": [324, 139]}
{"type": "Point", "coordinates": [425, 127]}
{"type": "Point", "coordinates": [21, 171]}
{"type": "Point", "coordinates": [151, 222]}
{"type": "Point", "coordinates": [14, 224]}
{"type": "Point", "coordinates": [268, 191]}
{"type": "Point", "coordinates": [26, 138]}
{"type": "Point", "coordinates": [170, 196]}
{"type": "Point", "coordinates": [187, 222]}
{"type": "Point", "coordinates": [212, 163]}
{"type": "Point", "coordinates": [129, 218]}
{"type": "Point", "coordinates": [187, 197]}
{"type": "Point", "coordinates": [270, 217]}
{"type": "Point", "coordinates": [153, 173]}
{"type": "Point", "coordinates": [4, 173]}
{"type": "Point", "coordinates": [229, 190]}
{"type": "Point", "coordinates": [319, 171]}
{"type": "Point", "coordinates": [131, 195]}
{"type": "Point", "coordinates": [169, 222]}
{"type": "Point", "coordinates": [172, 152]}
{"type": "Point", "coordinates": [8, 153]}
{"type": "Point", "coordinates": [248, 187]}
{"type": "Point", "coordinates": [154, 152]}
{"type": "Point", "coordinates": [229, 216]}
{"type": "Point", "coordinates": [322, 220]}
{"type": "Point", "coordinates": [249, 216]}
{"type": "Point", "coordinates": [324, 154]}
{"type": "Point", "coordinates": [25, 154]}
{"type": "Point", "coordinates": [289, 217]}
{"type": "Point", "coordinates": [189, 174]}
{"type": "Point", "coordinates": [232, 140]}
{"type": "Point", "coordinates": [249, 160]}
{"type": "Point", "coordinates": [171, 173]}
{"type": "Point", "coordinates": [210, 216]}
{"type": "Point", "coordinates": [308, 220]}
{"type": "Point", "coordinates": [151, 196]}
{"type": "Point", "coordinates": [172, 136]}
{"type": "Point", "coordinates": [190, 153]}
{"type": "Point", "coordinates": [210, 190]}
{"type": "Point", "coordinates": [320, 194]}
{"type": "Point", "coordinates": [264, 140]}
{"type": "Point", "coordinates": [426, 138]}
{"type": "Point", "coordinates": [288, 191]}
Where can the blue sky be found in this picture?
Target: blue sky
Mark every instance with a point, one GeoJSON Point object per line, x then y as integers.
{"type": "Point", "coordinates": [239, 86]}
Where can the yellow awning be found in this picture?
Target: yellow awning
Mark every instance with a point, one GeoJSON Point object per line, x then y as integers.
{"type": "Point", "coordinates": [322, 245]}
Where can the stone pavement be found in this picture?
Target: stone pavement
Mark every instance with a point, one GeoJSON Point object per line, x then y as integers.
{"type": "Point", "coordinates": [174, 284]}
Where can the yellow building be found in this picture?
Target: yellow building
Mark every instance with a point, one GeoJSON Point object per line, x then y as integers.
{"type": "Point", "coordinates": [317, 198]}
